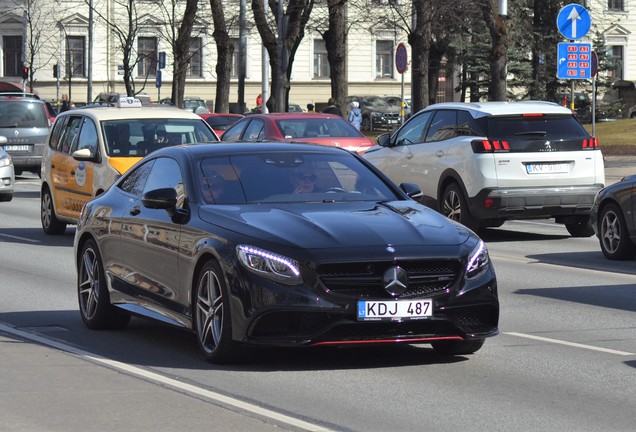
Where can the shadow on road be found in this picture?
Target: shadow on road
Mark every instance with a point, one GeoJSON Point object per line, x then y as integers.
{"type": "Point", "coordinates": [29, 236]}
{"type": "Point", "coordinates": [493, 235]}
{"type": "Point", "coordinates": [149, 344]}
{"type": "Point", "coordinates": [621, 297]}
{"type": "Point", "coordinates": [586, 260]}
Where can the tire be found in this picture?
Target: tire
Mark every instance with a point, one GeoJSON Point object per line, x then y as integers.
{"type": "Point", "coordinates": [455, 207]}
{"type": "Point", "coordinates": [613, 236]}
{"type": "Point", "coordinates": [50, 224]}
{"type": "Point", "coordinates": [458, 347]}
{"type": "Point", "coordinates": [6, 197]}
{"type": "Point", "coordinates": [581, 228]}
{"type": "Point", "coordinates": [92, 292]}
{"type": "Point", "coordinates": [211, 315]}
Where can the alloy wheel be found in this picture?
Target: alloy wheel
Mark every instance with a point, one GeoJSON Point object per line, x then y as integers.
{"type": "Point", "coordinates": [88, 283]}
{"type": "Point", "coordinates": [209, 310]}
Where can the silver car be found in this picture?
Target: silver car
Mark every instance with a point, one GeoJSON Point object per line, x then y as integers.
{"type": "Point", "coordinates": [7, 176]}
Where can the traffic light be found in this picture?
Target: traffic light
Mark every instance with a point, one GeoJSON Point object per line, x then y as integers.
{"type": "Point", "coordinates": [55, 70]}
{"type": "Point", "coordinates": [25, 72]}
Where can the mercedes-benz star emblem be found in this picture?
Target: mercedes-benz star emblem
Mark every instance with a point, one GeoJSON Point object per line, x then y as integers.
{"type": "Point", "coordinates": [395, 281]}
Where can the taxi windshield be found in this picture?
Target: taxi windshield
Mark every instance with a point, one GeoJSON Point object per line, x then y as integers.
{"type": "Point", "coordinates": [139, 137]}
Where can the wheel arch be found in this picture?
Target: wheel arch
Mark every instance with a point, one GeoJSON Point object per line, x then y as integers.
{"type": "Point", "coordinates": [449, 176]}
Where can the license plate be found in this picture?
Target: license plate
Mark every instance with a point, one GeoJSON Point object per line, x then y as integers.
{"type": "Point", "coordinates": [16, 148]}
{"type": "Point", "coordinates": [394, 310]}
{"type": "Point", "coordinates": [548, 168]}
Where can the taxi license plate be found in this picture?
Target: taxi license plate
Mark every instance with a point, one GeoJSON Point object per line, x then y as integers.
{"type": "Point", "coordinates": [547, 168]}
{"type": "Point", "coordinates": [394, 310]}
{"type": "Point", "coordinates": [16, 148]}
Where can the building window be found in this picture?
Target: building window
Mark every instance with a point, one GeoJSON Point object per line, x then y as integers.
{"type": "Point", "coordinates": [615, 5]}
{"type": "Point", "coordinates": [12, 49]}
{"type": "Point", "coordinates": [196, 58]}
{"type": "Point", "coordinates": [615, 61]}
{"type": "Point", "coordinates": [321, 63]}
{"type": "Point", "coordinates": [147, 51]}
{"type": "Point", "coordinates": [75, 52]}
{"type": "Point", "coordinates": [234, 73]}
{"type": "Point", "coordinates": [384, 59]}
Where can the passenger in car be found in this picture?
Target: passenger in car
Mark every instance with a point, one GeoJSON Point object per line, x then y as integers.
{"type": "Point", "coordinates": [121, 145]}
{"type": "Point", "coordinates": [304, 180]}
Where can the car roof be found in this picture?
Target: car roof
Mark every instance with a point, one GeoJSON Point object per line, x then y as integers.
{"type": "Point", "coordinates": [104, 112]}
{"type": "Point", "coordinates": [483, 109]}
{"type": "Point", "coordinates": [236, 148]}
{"type": "Point", "coordinates": [294, 116]}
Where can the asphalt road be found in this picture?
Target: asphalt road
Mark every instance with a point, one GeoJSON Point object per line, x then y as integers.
{"type": "Point", "coordinates": [565, 358]}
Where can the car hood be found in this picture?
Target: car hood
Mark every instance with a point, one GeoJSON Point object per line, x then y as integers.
{"type": "Point", "coordinates": [361, 224]}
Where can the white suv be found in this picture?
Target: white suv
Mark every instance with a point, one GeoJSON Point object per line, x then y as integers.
{"type": "Point", "coordinates": [484, 163]}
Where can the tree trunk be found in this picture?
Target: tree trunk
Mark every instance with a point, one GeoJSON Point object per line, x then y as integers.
{"type": "Point", "coordinates": [182, 52]}
{"type": "Point", "coordinates": [498, 27]}
{"type": "Point", "coordinates": [420, 40]}
{"type": "Point", "coordinates": [336, 43]}
{"type": "Point", "coordinates": [225, 51]}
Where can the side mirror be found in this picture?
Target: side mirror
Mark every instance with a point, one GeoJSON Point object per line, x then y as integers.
{"type": "Point", "coordinates": [165, 198]}
{"type": "Point", "coordinates": [83, 155]}
{"type": "Point", "coordinates": [384, 140]}
{"type": "Point", "coordinates": [412, 190]}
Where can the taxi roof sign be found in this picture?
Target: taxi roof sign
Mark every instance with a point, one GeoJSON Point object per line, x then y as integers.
{"type": "Point", "coordinates": [128, 102]}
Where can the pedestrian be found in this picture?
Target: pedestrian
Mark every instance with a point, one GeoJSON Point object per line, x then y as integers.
{"type": "Point", "coordinates": [259, 100]}
{"type": "Point", "coordinates": [355, 115]}
{"type": "Point", "coordinates": [310, 108]}
{"type": "Point", "coordinates": [65, 105]}
{"type": "Point", "coordinates": [332, 108]}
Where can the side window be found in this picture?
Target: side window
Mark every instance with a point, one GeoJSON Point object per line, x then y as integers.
{"type": "Point", "coordinates": [70, 134]}
{"type": "Point", "coordinates": [56, 133]}
{"type": "Point", "coordinates": [414, 130]}
{"type": "Point", "coordinates": [443, 126]}
{"type": "Point", "coordinates": [234, 133]}
{"type": "Point", "coordinates": [165, 173]}
{"type": "Point", "coordinates": [136, 180]}
{"type": "Point", "coordinates": [87, 137]}
{"type": "Point", "coordinates": [254, 131]}
{"type": "Point", "coordinates": [467, 125]}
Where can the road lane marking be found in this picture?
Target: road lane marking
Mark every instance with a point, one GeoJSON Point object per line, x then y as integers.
{"type": "Point", "coordinates": [572, 344]}
{"type": "Point", "coordinates": [160, 379]}
{"type": "Point", "coordinates": [19, 238]}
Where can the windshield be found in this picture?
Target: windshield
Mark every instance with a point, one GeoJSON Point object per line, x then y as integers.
{"type": "Point", "coordinates": [317, 128]}
{"type": "Point", "coordinates": [23, 114]}
{"type": "Point", "coordinates": [139, 137]}
{"type": "Point", "coordinates": [289, 177]}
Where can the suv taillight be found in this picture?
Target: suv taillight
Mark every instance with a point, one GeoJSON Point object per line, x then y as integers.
{"type": "Point", "coordinates": [590, 143]}
{"type": "Point", "coordinates": [490, 146]}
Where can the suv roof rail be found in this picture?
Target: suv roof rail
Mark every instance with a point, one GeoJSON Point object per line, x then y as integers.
{"type": "Point", "coordinates": [20, 94]}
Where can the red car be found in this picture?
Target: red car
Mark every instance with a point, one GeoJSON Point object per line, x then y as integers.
{"type": "Point", "coordinates": [323, 129]}
{"type": "Point", "coordinates": [221, 121]}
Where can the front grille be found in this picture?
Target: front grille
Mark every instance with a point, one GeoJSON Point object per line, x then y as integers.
{"type": "Point", "coordinates": [426, 278]}
{"type": "Point", "coordinates": [392, 116]}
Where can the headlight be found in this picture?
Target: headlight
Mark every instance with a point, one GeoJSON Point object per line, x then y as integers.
{"type": "Point", "coordinates": [478, 261]}
{"type": "Point", "coordinates": [270, 265]}
{"type": "Point", "coordinates": [5, 161]}
{"type": "Point", "coordinates": [376, 114]}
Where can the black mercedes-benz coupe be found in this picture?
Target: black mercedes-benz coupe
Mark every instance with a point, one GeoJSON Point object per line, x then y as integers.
{"type": "Point", "coordinates": [279, 244]}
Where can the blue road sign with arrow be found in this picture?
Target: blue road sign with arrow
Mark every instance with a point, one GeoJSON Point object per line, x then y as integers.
{"type": "Point", "coordinates": [574, 21]}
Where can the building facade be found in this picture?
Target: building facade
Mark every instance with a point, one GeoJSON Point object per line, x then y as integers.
{"type": "Point", "coordinates": [54, 38]}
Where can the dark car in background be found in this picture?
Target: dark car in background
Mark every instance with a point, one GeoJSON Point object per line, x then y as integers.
{"type": "Point", "coordinates": [24, 121]}
{"type": "Point", "coordinates": [220, 122]}
{"type": "Point", "coordinates": [396, 101]}
{"type": "Point", "coordinates": [376, 112]}
{"type": "Point", "coordinates": [217, 239]}
{"type": "Point", "coordinates": [613, 218]}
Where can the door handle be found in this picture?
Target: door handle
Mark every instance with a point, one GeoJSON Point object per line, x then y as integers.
{"type": "Point", "coordinates": [439, 153]}
{"type": "Point", "coordinates": [135, 211]}
{"type": "Point", "coordinates": [72, 172]}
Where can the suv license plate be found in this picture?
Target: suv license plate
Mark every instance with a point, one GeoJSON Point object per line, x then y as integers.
{"type": "Point", "coordinates": [548, 168]}
{"type": "Point", "coordinates": [394, 310]}
{"type": "Point", "coordinates": [16, 148]}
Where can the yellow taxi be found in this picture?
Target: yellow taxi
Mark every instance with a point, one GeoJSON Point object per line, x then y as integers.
{"type": "Point", "coordinates": [89, 148]}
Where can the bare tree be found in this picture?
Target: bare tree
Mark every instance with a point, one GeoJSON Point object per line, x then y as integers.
{"type": "Point", "coordinates": [225, 52]}
{"type": "Point", "coordinates": [498, 27]}
{"type": "Point", "coordinates": [294, 21]}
